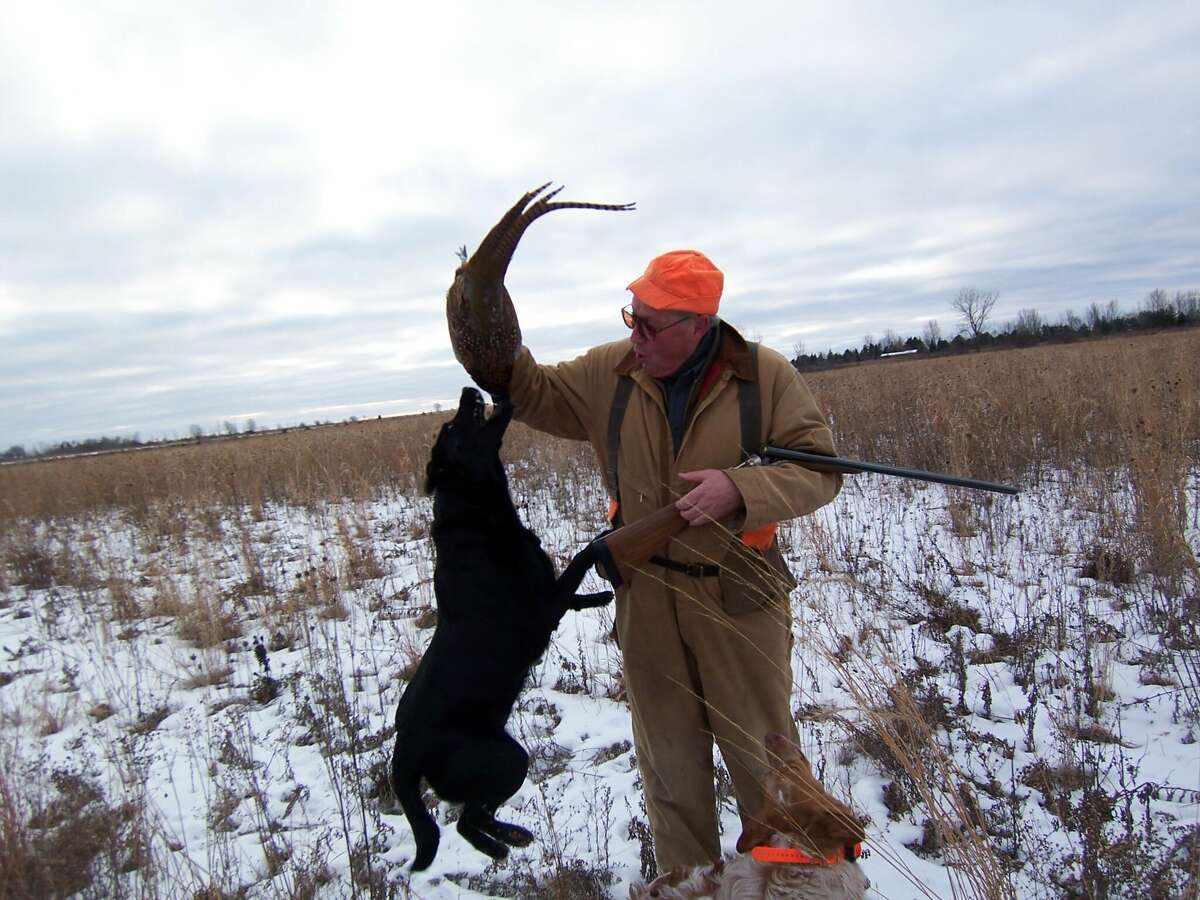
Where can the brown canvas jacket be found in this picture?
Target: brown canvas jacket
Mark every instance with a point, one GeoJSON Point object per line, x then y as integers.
{"type": "Point", "coordinates": [573, 399]}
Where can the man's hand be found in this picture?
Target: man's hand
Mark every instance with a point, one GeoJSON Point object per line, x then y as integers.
{"type": "Point", "coordinates": [714, 498]}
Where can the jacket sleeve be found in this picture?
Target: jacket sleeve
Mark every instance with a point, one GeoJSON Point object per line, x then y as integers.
{"type": "Point", "coordinates": [781, 490]}
{"type": "Point", "coordinates": [558, 399]}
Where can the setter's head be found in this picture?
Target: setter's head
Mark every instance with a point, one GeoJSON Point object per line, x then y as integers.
{"type": "Point", "coordinates": [797, 810]}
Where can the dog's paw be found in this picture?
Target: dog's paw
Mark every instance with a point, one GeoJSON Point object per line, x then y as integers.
{"type": "Point", "coordinates": [496, 851]}
{"type": "Point", "coordinates": [513, 835]}
{"type": "Point", "coordinates": [485, 843]}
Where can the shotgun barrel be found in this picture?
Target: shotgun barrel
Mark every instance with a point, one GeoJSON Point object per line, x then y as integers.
{"type": "Point", "coordinates": [821, 462]}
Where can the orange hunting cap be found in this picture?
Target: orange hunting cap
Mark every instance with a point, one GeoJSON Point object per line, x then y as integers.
{"type": "Point", "coordinates": [681, 279]}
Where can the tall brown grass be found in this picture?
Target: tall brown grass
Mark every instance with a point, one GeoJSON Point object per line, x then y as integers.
{"type": "Point", "coordinates": [1005, 414]}
{"type": "Point", "coordinates": [1123, 408]}
{"type": "Point", "coordinates": [1099, 413]}
{"type": "Point", "coordinates": [1008, 414]}
{"type": "Point", "coordinates": [302, 466]}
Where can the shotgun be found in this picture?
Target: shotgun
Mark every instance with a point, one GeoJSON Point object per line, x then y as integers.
{"type": "Point", "coordinates": [618, 552]}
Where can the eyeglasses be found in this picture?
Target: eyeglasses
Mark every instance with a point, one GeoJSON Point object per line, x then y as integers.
{"type": "Point", "coordinates": [637, 323]}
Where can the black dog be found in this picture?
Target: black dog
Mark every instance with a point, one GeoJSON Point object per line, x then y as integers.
{"type": "Point", "coordinates": [498, 604]}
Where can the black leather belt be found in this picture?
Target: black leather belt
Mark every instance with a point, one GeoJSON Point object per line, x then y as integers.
{"type": "Point", "coordinates": [692, 570]}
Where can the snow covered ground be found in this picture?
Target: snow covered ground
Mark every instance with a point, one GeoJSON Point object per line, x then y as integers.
{"type": "Point", "coordinates": [996, 715]}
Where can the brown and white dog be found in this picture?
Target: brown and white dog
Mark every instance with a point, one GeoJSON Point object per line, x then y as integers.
{"type": "Point", "coordinates": [803, 845]}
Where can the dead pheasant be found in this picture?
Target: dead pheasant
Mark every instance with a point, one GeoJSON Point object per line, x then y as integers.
{"type": "Point", "coordinates": [484, 331]}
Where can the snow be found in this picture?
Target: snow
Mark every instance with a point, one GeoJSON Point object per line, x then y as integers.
{"type": "Point", "coordinates": [892, 587]}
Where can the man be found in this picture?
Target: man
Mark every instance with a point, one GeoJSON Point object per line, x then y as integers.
{"type": "Point", "coordinates": [705, 627]}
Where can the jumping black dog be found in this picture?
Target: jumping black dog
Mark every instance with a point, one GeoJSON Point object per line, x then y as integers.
{"type": "Point", "coordinates": [498, 604]}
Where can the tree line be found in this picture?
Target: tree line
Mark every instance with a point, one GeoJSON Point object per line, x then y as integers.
{"type": "Point", "coordinates": [972, 306]}
{"type": "Point", "coordinates": [976, 330]}
{"type": "Point", "coordinates": [108, 444]}
{"type": "Point", "coordinates": [195, 434]}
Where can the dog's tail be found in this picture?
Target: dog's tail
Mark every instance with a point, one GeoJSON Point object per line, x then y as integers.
{"type": "Point", "coordinates": [406, 787]}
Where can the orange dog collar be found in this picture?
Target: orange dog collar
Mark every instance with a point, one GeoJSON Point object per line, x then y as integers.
{"type": "Point", "coordinates": [797, 857]}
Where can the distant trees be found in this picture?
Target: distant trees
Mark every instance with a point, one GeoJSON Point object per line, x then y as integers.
{"type": "Point", "coordinates": [1187, 306]}
{"type": "Point", "coordinates": [72, 448]}
{"type": "Point", "coordinates": [1158, 310]}
{"type": "Point", "coordinates": [1028, 326]}
{"type": "Point", "coordinates": [17, 453]}
{"type": "Point", "coordinates": [1099, 318]}
{"type": "Point", "coordinates": [1072, 322]}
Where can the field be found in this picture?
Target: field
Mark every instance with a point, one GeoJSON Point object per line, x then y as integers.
{"type": "Point", "coordinates": [1006, 689]}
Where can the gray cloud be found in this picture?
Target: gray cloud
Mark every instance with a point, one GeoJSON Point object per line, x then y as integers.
{"type": "Point", "coordinates": [258, 215]}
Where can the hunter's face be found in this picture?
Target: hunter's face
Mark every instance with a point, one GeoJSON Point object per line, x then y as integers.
{"type": "Point", "coordinates": [662, 340]}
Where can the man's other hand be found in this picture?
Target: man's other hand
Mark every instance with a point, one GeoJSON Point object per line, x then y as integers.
{"type": "Point", "coordinates": [714, 498]}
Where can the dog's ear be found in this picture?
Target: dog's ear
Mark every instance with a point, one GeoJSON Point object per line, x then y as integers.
{"type": "Point", "coordinates": [435, 468]}
{"type": "Point", "coordinates": [754, 834]}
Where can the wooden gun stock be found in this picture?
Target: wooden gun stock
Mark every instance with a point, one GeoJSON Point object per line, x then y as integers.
{"type": "Point", "coordinates": [619, 552]}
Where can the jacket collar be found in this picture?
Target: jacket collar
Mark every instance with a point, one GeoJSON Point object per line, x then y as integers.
{"type": "Point", "coordinates": [731, 352]}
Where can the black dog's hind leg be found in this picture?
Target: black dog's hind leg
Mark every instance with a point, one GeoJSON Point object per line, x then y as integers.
{"type": "Point", "coordinates": [481, 774]}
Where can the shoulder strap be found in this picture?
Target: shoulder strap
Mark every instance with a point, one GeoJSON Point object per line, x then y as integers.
{"type": "Point", "coordinates": [615, 416]}
{"type": "Point", "coordinates": [749, 407]}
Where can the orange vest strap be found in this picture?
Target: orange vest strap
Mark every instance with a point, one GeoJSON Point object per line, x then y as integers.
{"type": "Point", "coordinates": [761, 538]}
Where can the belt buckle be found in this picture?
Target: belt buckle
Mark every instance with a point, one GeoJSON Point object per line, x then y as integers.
{"type": "Point", "coordinates": [694, 570]}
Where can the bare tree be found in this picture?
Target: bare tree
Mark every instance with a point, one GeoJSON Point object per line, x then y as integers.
{"type": "Point", "coordinates": [797, 349]}
{"type": "Point", "coordinates": [974, 306]}
{"type": "Point", "coordinates": [932, 333]}
{"type": "Point", "coordinates": [891, 341]}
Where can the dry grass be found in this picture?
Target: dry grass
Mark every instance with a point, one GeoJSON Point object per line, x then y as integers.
{"type": "Point", "coordinates": [303, 466]}
{"type": "Point", "coordinates": [1008, 414]}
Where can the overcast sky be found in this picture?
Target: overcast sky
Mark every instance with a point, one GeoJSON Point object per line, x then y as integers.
{"type": "Point", "coordinates": [223, 211]}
